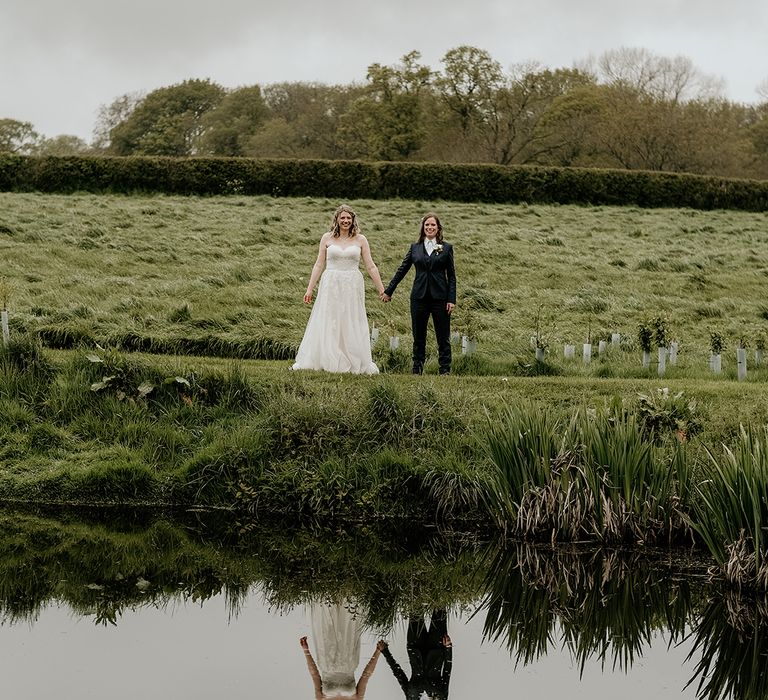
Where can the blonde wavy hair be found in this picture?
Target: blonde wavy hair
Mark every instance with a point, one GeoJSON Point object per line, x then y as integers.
{"type": "Point", "coordinates": [335, 228]}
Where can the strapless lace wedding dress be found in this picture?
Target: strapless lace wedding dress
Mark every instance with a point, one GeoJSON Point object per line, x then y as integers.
{"type": "Point", "coordinates": [337, 337]}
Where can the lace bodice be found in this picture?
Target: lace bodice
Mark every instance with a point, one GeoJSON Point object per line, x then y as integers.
{"type": "Point", "coordinates": [342, 258]}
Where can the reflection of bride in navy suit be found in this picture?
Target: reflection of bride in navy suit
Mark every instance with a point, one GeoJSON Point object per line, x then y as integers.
{"type": "Point", "coordinates": [336, 638]}
{"type": "Point", "coordinates": [430, 653]}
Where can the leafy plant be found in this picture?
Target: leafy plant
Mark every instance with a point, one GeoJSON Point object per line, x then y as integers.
{"type": "Point", "coordinates": [661, 332]}
{"type": "Point", "coordinates": [662, 413]}
{"type": "Point", "coordinates": [541, 339]}
{"type": "Point", "coordinates": [716, 342]}
{"type": "Point", "coordinates": [125, 377]}
{"type": "Point", "coordinates": [645, 336]}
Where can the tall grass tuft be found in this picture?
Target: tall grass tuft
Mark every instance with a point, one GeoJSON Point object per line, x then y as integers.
{"type": "Point", "coordinates": [599, 477]}
{"type": "Point", "coordinates": [216, 472]}
{"type": "Point", "coordinates": [731, 514]}
{"type": "Point", "coordinates": [385, 412]}
{"type": "Point", "coordinates": [25, 372]}
{"type": "Point", "coordinates": [633, 487]}
{"type": "Point", "coordinates": [521, 442]}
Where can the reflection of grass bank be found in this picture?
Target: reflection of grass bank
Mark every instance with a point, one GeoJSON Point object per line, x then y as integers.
{"type": "Point", "coordinates": [111, 562]}
{"type": "Point", "coordinates": [606, 603]}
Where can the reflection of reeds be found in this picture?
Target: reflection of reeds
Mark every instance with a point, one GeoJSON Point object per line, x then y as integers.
{"type": "Point", "coordinates": [732, 638]}
{"type": "Point", "coordinates": [605, 604]}
{"type": "Point", "coordinates": [597, 478]}
{"type": "Point", "coordinates": [732, 513]}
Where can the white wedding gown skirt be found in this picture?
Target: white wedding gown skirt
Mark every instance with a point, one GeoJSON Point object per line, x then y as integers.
{"type": "Point", "coordinates": [337, 337]}
{"type": "Point", "coordinates": [336, 635]}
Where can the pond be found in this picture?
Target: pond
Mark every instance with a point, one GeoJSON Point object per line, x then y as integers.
{"type": "Point", "coordinates": [190, 606]}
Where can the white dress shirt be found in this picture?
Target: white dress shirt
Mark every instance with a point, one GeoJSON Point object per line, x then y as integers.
{"type": "Point", "coordinates": [429, 246]}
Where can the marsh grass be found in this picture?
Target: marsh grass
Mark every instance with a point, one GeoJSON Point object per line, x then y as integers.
{"type": "Point", "coordinates": [224, 275]}
{"type": "Point", "coordinates": [732, 509]}
{"type": "Point", "coordinates": [594, 477]}
{"type": "Point", "coordinates": [537, 457]}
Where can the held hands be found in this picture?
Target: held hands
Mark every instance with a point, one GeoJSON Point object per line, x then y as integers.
{"type": "Point", "coordinates": [385, 297]}
{"type": "Point", "coordinates": [381, 645]}
{"type": "Point", "coordinates": [303, 644]}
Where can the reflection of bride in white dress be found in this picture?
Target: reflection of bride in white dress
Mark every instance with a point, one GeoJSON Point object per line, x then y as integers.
{"type": "Point", "coordinates": [336, 338]}
{"type": "Point", "coordinates": [336, 631]}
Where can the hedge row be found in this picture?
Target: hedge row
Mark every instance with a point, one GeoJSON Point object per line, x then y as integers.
{"type": "Point", "coordinates": [386, 180]}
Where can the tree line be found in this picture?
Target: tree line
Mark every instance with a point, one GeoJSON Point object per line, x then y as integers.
{"type": "Point", "coordinates": [628, 108]}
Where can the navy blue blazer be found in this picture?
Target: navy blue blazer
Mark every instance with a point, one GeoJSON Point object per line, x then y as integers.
{"type": "Point", "coordinates": [435, 274]}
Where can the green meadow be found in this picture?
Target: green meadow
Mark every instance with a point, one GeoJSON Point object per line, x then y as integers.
{"type": "Point", "coordinates": [226, 275]}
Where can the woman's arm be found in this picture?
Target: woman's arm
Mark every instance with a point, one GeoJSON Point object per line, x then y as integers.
{"type": "Point", "coordinates": [368, 672]}
{"type": "Point", "coordinates": [450, 272]}
{"type": "Point", "coordinates": [313, 670]}
{"type": "Point", "coordinates": [373, 271]}
{"type": "Point", "coordinates": [317, 269]}
{"type": "Point", "coordinates": [397, 670]}
{"type": "Point", "coordinates": [401, 271]}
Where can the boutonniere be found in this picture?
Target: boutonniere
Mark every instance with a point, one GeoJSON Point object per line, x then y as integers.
{"type": "Point", "coordinates": [438, 248]}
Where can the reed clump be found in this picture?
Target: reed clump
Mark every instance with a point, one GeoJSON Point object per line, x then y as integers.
{"type": "Point", "coordinates": [731, 513]}
{"type": "Point", "coordinates": [596, 477]}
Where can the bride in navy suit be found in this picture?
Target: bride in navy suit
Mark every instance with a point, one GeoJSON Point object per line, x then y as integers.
{"type": "Point", "coordinates": [433, 293]}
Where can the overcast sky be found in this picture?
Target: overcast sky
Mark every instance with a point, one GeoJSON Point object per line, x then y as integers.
{"type": "Point", "coordinates": [60, 60]}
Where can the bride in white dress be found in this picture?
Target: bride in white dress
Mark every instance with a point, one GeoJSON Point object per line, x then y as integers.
{"type": "Point", "coordinates": [337, 338]}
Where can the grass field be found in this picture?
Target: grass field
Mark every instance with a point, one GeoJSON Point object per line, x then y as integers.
{"type": "Point", "coordinates": [233, 270]}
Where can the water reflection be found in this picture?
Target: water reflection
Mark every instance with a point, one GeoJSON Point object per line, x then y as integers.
{"type": "Point", "coordinates": [364, 587]}
{"type": "Point", "coordinates": [336, 630]}
{"type": "Point", "coordinates": [604, 604]}
{"type": "Point", "coordinates": [731, 644]}
{"type": "Point", "coordinates": [430, 654]}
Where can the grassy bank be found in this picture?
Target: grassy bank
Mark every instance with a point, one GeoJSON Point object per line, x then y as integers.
{"type": "Point", "coordinates": [223, 276]}
{"type": "Point", "coordinates": [613, 461]}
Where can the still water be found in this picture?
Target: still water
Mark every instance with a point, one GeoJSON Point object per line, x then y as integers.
{"type": "Point", "coordinates": [198, 651]}
{"type": "Point", "coordinates": [163, 609]}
